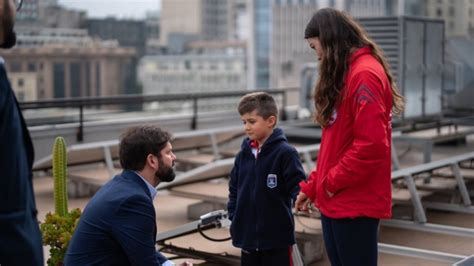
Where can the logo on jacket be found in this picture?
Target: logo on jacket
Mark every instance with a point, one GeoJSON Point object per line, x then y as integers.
{"type": "Point", "coordinates": [272, 181]}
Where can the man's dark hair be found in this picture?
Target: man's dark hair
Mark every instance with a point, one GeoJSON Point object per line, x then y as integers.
{"type": "Point", "coordinates": [138, 142]}
{"type": "Point", "coordinates": [260, 101]}
{"type": "Point", "coordinates": [7, 23]}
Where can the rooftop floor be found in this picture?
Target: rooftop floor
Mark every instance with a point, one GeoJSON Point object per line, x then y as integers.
{"type": "Point", "coordinates": [172, 211]}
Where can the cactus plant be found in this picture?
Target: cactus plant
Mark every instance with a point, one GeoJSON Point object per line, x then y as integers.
{"type": "Point", "coordinates": [60, 175]}
{"type": "Point", "coordinates": [59, 227]}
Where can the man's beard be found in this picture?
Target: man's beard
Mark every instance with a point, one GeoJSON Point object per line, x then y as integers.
{"type": "Point", "coordinates": [9, 36]}
{"type": "Point", "coordinates": [165, 173]}
{"type": "Point", "coordinates": [10, 40]}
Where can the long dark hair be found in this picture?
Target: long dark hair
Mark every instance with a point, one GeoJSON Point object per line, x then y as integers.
{"type": "Point", "coordinates": [338, 33]}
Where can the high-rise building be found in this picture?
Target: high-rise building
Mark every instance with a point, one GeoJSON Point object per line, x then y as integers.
{"type": "Point", "coordinates": [29, 11]}
{"type": "Point", "coordinates": [180, 16]}
{"type": "Point", "coordinates": [208, 19]}
{"type": "Point", "coordinates": [215, 19]}
{"type": "Point", "coordinates": [374, 8]}
{"type": "Point", "coordinates": [129, 33]}
{"type": "Point", "coordinates": [56, 16]}
{"type": "Point", "coordinates": [289, 50]}
{"type": "Point", "coordinates": [258, 51]}
{"type": "Point", "coordinates": [239, 17]}
{"type": "Point", "coordinates": [458, 15]}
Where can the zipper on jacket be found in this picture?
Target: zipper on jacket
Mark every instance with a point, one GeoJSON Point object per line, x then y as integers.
{"type": "Point", "coordinates": [256, 204]}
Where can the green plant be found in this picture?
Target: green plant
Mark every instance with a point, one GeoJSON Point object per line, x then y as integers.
{"type": "Point", "coordinates": [58, 227]}
{"type": "Point", "coordinates": [60, 176]}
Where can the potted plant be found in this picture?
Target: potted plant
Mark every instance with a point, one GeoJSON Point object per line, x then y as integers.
{"type": "Point", "coordinates": [59, 226]}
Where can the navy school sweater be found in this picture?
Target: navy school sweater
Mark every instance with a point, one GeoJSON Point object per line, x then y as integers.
{"type": "Point", "coordinates": [261, 194]}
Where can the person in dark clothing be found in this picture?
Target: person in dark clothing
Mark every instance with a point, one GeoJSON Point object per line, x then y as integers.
{"type": "Point", "coordinates": [118, 226]}
{"type": "Point", "coordinates": [263, 186]}
{"type": "Point", "coordinates": [20, 237]}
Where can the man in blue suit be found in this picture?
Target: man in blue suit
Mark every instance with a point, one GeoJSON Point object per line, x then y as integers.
{"type": "Point", "coordinates": [20, 237]}
{"type": "Point", "coordinates": [118, 226]}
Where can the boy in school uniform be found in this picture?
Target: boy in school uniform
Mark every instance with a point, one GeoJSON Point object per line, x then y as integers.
{"type": "Point", "coordinates": [263, 186]}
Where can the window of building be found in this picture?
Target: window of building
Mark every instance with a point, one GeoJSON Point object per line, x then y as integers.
{"type": "Point", "coordinates": [97, 79]}
{"type": "Point", "coordinates": [58, 80]}
{"type": "Point", "coordinates": [439, 12]}
{"type": "Point", "coordinates": [451, 11]}
{"type": "Point", "coordinates": [20, 96]}
{"type": "Point", "coordinates": [88, 79]}
{"type": "Point", "coordinates": [75, 79]}
{"type": "Point", "coordinates": [15, 66]}
{"type": "Point", "coordinates": [21, 82]}
{"type": "Point", "coordinates": [31, 67]}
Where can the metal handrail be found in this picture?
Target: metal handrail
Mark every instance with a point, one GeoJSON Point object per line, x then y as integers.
{"type": "Point", "coordinates": [81, 102]}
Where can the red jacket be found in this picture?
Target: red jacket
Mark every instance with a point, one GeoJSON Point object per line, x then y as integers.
{"type": "Point", "coordinates": [354, 161]}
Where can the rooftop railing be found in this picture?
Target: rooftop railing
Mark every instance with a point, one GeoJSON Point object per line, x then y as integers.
{"type": "Point", "coordinates": [124, 103]}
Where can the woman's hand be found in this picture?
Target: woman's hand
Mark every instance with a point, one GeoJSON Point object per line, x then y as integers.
{"type": "Point", "coordinates": [303, 203]}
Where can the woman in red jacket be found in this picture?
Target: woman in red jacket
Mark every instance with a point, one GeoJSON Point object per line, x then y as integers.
{"type": "Point", "coordinates": [354, 99]}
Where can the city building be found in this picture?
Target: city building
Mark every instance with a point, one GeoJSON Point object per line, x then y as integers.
{"type": "Point", "coordinates": [25, 85]}
{"type": "Point", "coordinates": [128, 33]}
{"type": "Point", "coordinates": [258, 48]}
{"type": "Point", "coordinates": [239, 17]}
{"type": "Point", "coordinates": [48, 14]}
{"type": "Point", "coordinates": [56, 16]}
{"type": "Point", "coordinates": [209, 19]}
{"type": "Point", "coordinates": [459, 15]}
{"type": "Point", "coordinates": [207, 67]}
{"type": "Point", "coordinates": [289, 51]}
{"type": "Point", "coordinates": [67, 63]}
{"type": "Point", "coordinates": [29, 11]}
{"type": "Point", "coordinates": [29, 36]}
{"type": "Point", "coordinates": [192, 72]}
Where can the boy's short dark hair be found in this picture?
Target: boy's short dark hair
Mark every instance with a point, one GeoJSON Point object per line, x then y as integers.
{"type": "Point", "coordinates": [260, 101]}
{"type": "Point", "coordinates": [137, 142]}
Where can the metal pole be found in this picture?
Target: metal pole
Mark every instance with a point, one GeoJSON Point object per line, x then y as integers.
{"type": "Point", "coordinates": [283, 109]}
{"type": "Point", "coordinates": [195, 114]}
{"type": "Point", "coordinates": [80, 132]}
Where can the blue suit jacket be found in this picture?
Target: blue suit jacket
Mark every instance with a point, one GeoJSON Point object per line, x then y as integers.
{"type": "Point", "coordinates": [20, 238]}
{"type": "Point", "coordinates": [117, 227]}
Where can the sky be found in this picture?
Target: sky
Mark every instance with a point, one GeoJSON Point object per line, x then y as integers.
{"type": "Point", "coordinates": [134, 9]}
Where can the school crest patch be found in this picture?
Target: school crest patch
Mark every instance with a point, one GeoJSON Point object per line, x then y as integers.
{"type": "Point", "coordinates": [272, 181]}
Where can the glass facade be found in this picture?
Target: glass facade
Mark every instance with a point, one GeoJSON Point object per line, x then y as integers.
{"type": "Point", "coordinates": [261, 36]}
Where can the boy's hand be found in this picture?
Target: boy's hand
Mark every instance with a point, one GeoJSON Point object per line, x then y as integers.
{"type": "Point", "coordinates": [303, 203]}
